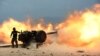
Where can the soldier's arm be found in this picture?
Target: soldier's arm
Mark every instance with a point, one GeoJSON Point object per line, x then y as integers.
{"type": "Point", "coordinates": [18, 32]}
{"type": "Point", "coordinates": [11, 34]}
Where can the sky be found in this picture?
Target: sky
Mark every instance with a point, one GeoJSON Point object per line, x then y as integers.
{"type": "Point", "coordinates": [51, 10]}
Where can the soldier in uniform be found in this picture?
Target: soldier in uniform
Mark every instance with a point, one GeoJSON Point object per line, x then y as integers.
{"type": "Point", "coordinates": [14, 34]}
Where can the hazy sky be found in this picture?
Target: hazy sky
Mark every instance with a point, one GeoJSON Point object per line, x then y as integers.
{"type": "Point", "coordinates": [52, 10]}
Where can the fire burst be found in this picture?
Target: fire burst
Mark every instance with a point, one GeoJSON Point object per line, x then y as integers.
{"type": "Point", "coordinates": [6, 28]}
{"type": "Point", "coordinates": [81, 28]}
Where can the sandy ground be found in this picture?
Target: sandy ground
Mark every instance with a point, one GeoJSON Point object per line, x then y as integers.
{"type": "Point", "coordinates": [45, 50]}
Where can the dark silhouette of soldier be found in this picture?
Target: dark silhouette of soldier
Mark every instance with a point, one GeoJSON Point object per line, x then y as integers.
{"type": "Point", "coordinates": [14, 34]}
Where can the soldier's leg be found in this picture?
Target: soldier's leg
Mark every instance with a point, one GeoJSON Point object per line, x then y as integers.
{"type": "Point", "coordinates": [16, 43]}
{"type": "Point", "coordinates": [12, 42]}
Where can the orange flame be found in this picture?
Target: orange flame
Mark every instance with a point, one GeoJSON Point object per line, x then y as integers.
{"type": "Point", "coordinates": [81, 28]}
{"type": "Point", "coordinates": [6, 28]}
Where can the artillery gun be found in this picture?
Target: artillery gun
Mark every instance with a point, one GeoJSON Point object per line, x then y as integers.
{"type": "Point", "coordinates": [27, 37]}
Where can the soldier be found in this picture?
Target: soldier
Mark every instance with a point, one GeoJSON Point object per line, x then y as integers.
{"type": "Point", "coordinates": [14, 37]}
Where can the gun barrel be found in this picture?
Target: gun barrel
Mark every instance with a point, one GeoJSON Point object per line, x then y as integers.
{"type": "Point", "coordinates": [52, 33]}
